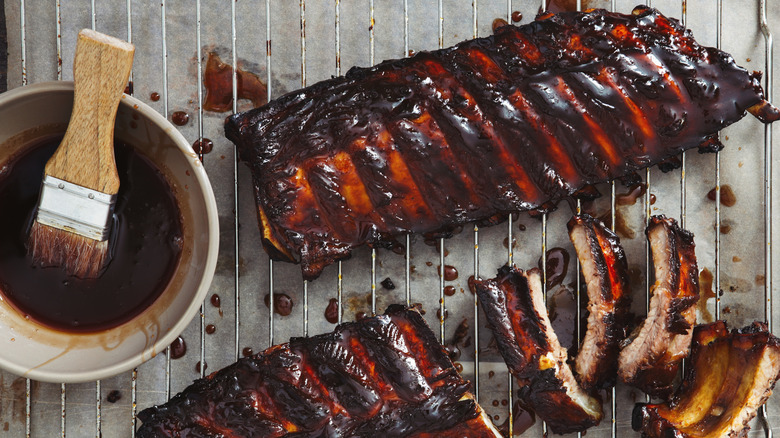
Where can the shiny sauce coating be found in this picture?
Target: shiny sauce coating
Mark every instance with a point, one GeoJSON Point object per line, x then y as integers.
{"type": "Point", "coordinates": [146, 243]}
{"type": "Point", "coordinates": [515, 121]}
{"type": "Point", "coordinates": [384, 374]}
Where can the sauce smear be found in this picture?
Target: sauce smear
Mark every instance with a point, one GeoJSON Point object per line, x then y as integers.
{"type": "Point", "coordinates": [218, 80]}
{"type": "Point", "coordinates": [557, 265]}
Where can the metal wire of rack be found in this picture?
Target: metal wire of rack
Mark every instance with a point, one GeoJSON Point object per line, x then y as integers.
{"type": "Point", "coordinates": [244, 282]}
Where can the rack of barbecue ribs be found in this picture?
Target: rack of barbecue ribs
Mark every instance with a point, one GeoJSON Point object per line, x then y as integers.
{"type": "Point", "coordinates": [605, 270]}
{"type": "Point", "coordinates": [383, 375]}
{"type": "Point", "coordinates": [731, 375]}
{"type": "Point", "coordinates": [516, 313]}
{"type": "Point", "coordinates": [651, 361]}
{"type": "Point", "coordinates": [511, 122]}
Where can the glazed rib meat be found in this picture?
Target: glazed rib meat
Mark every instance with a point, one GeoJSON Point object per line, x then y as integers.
{"type": "Point", "coordinates": [517, 315]}
{"type": "Point", "coordinates": [383, 375]}
{"type": "Point", "coordinates": [731, 375]}
{"type": "Point", "coordinates": [495, 125]}
{"type": "Point", "coordinates": [650, 362]}
{"type": "Point", "coordinates": [605, 270]}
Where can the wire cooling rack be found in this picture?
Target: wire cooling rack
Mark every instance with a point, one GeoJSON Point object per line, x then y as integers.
{"type": "Point", "coordinates": [290, 44]}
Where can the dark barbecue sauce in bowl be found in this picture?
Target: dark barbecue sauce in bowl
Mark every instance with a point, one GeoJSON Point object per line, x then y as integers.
{"type": "Point", "coordinates": [146, 245]}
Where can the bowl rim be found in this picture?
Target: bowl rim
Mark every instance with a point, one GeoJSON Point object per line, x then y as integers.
{"type": "Point", "coordinates": [198, 171]}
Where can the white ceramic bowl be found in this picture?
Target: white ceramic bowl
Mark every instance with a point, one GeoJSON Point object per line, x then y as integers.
{"type": "Point", "coordinates": [35, 351]}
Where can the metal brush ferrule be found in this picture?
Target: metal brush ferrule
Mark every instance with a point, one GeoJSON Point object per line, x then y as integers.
{"type": "Point", "coordinates": [74, 208]}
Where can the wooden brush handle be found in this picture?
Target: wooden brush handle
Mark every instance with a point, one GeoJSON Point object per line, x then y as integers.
{"type": "Point", "coordinates": [101, 69]}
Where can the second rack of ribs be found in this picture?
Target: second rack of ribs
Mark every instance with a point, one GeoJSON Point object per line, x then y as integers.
{"type": "Point", "coordinates": [506, 123]}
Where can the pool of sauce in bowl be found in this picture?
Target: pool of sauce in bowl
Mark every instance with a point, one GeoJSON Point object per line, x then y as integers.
{"type": "Point", "coordinates": [146, 244]}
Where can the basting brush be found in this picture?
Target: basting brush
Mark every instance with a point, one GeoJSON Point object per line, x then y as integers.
{"type": "Point", "coordinates": [73, 220]}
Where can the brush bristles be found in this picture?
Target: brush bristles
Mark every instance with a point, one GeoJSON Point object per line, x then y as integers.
{"type": "Point", "coordinates": [80, 256]}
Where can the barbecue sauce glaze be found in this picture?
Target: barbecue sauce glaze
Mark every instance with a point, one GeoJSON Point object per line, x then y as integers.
{"type": "Point", "coordinates": [384, 374]}
{"type": "Point", "coordinates": [512, 122]}
{"type": "Point", "coordinates": [146, 244]}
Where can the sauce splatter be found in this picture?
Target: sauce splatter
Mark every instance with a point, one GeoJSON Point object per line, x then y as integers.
{"type": "Point", "coordinates": [283, 304]}
{"type": "Point", "coordinates": [114, 396]}
{"type": "Point", "coordinates": [388, 284]}
{"type": "Point", "coordinates": [450, 273]}
{"type": "Point", "coordinates": [522, 421]}
{"type": "Point", "coordinates": [706, 292]}
{"type": "Point", "coordinates": [180, 118]}
{"type": "Point", "coordinates": [218, 81]}
{"type": "Point", "coordinates": [203, 146]}
{"type": "Point", "coordinates": [621, 224]}
{"type": "Point", "coordinates": [197, 367]}
{"type": "Point", "coordinates": [557, 266]}
{"type": "Point", "coordinates": [247, 351]}
{"type": "Point", "coordinates": [178, 348]}
{"type": "Point", "coordinates": [215, 300]}
{"type": "Point", "coordinates": [506, 242]}
{"type": "Point", "coordinates": [727, 195]}
{"type": "Point", "coordinates": [332, 311]}
{"type": "Point", "coordinates": [155, 96]}
{"type": "Point", "coordinates": [449, 290]}
{"type": "Point", "coordinates": [517, 16]}
{"type": "Point", "coordinates": [634, 192]}
{"type": "Point", "coordinates": [461, 331]}
{"type": "Point", "coordinates": [210, 329]}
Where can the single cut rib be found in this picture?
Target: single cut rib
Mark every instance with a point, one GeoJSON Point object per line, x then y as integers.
{"type": "Point", "coordinates": [605, 270]}
{"type": "Point", "coordinates": [731, 375]}
{"type": "Point", "coordinates": [651, 361]}
{"type": "Point", "coordinates": [517, 315]}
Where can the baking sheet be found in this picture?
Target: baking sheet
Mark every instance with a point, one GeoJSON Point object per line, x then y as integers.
{"type": "Point", "coordinates": [339, 35]}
